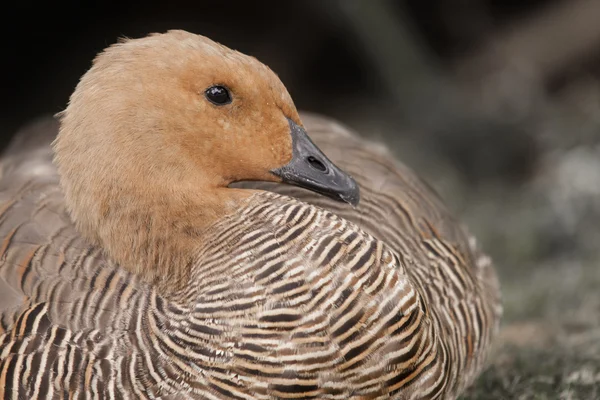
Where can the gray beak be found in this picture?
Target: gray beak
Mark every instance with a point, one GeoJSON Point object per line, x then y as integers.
{"type": "Point", "coordinates": [310, 169]}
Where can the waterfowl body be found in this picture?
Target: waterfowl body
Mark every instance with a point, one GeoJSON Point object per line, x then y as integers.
{"type": "Point", "coordinates": [133, 270]}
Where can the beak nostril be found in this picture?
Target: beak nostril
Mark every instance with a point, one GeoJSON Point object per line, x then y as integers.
{"type": "Point", "coordinates": [316, 164]}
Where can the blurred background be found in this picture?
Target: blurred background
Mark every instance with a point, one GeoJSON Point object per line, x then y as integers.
{"type": "Point", "coordinates": [495, 102]}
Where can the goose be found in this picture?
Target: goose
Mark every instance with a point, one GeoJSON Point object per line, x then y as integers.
{"type": "Point", "coordinates": [185, 238]}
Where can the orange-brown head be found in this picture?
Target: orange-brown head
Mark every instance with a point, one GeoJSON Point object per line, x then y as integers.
{"type": "Point", "coordinates": [159, 127]}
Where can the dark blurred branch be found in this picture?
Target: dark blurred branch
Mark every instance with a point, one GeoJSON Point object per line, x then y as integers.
{"type": "Point", "coordinates": [557, 37]}
{"type": "Point", "coordinates": [394, 49]}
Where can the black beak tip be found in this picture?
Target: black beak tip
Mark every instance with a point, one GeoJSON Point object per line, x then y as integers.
{"type": "Point", "coordinates": [351, 196]}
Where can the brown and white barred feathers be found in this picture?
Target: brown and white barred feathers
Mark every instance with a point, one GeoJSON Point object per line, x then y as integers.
{"type": "Point", "coordinates": [290, 298]}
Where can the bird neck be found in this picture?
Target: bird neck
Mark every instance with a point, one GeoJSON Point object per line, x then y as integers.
{"type": "Point", "coordinates": [155, 234]}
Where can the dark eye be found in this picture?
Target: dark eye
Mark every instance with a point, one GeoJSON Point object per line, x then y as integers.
{"type": "Point", "coordinates": [218, 95]}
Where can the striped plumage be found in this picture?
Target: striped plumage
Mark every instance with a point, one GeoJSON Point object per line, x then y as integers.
{"type": "Point", "coordinates": [287, 298]}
